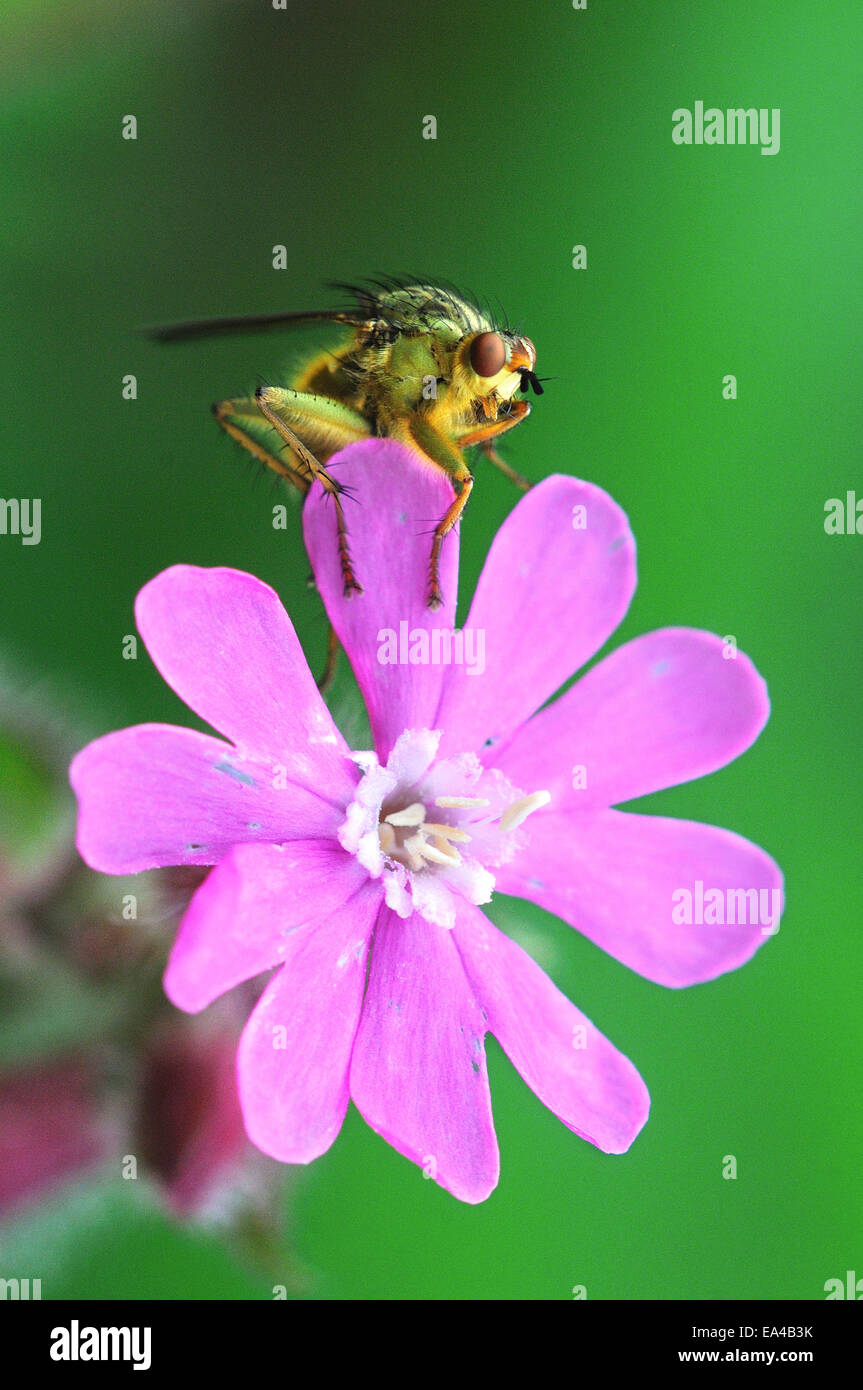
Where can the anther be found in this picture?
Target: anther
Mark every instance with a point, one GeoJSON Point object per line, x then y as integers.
{"type": "Point", "coordinates": [414, 814]}
{"type": "Point", "coordinates": [419, 846]}
{"type": "Point", "coordinates": [446, 832]}
{"type": "Point", "coordinates": [519, 811]}
{"type": "Point", "coordinates": [460, 803]}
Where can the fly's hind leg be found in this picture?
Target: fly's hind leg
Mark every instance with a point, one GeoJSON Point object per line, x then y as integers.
{"type": "Point", "coordinates": [331, 427]}
{"type": "Point", "coordinates": [438, 450]}
{"type": "Point", "coordinates": [242, 420]}
{"type": "Point", "coordinates": [327, 425]}
{"type": "Point", "coordinates": [328, 674]}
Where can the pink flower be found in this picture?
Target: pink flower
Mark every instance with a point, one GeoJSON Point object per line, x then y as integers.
{"type": "Point", "coordinates": [189, 1128]}
{"type": "Point", "coordinates": [49, 1127]}
{"type": "Point", "coordinates": [362, 874]}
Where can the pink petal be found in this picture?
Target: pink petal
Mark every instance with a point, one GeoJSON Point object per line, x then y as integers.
{"type": "Point", "coordinates": [548, 597]}
{"type": "Point", "coordinates": [155, 795]}
{"type": "Point", "coordinates": [241, 919]}
{"type": "Point", "coordinates": [418, 1073]}
{"type": "Point", "coordinates": [397, 502]}
{"type": "Point", "coordinates": [612, 876]}
{"type": "Point", "coordinates": [225, 644]}
{"type": "Point", "coordinates": [295, 1050]}
{"type": "Point", "coordinates": [661, 710]}
{"type": "Point", "coordinates": [566, 1062]}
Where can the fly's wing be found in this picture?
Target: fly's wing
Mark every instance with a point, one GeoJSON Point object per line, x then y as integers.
{"type": "Point", "coordinates": [252, 323]}
{"type": "Point", "coordinates": [384, 305]}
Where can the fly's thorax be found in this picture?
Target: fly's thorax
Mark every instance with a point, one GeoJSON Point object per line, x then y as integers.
{"type": "Point", "coordinates": [414, 354]}
{"type": "Point", "coordinates": [413, 362]}
{"type": "Point", "coordinates": [426, 308]}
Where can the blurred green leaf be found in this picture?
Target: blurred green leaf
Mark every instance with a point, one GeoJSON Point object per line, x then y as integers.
{"type": "Point", "coordinates": [35, 821]}
{"type": "Point", "coordinates": [111, 1238]}
{"type": "Point", "coordinates": [51, 1011]}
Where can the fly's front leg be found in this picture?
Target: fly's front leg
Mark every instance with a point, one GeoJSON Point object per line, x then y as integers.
{"type": "Point", "coordinates": [328, 425]}
{"type": "Point", "coordinates": [450, 461]}
{"type": "Point", "coordinates": [503, 467]}
{"type": "Point", "coordinates": [484, 434]}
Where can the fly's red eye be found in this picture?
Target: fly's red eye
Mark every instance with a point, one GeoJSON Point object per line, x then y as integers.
{"type": "Point", "coordinates": [488, 354]}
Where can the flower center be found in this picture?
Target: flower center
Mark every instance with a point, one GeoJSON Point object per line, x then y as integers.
{"type": "Point", "coordinates": [407, 836]}
{"type": "Point", "coordinates": [430, 829]}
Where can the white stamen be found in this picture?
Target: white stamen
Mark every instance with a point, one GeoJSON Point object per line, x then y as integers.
{"type": "Point", "coordinates": [423, 863]}
{"type": "Point", "coordinates": [413, 848]}
{"type": "Point", "coordinates": [414, 814]}
{"type": "Point", "coordinates": [387, 837]}
{"type": "Point", "coordinates": [446, 848]}
{"type": "Point", "coordinates": [446, 832]}
{"type": "Point", "coordinates": [419, 848]}
{"type": "Point", "coordinates": [437, 856]}
{"type": "Point", "coordinates": [460, 803]}
{"type": "Point", "coordinates": [519, 811]}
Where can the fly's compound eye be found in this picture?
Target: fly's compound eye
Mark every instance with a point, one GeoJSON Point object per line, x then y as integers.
{"type": "Point", "coordinates": [488, 354]}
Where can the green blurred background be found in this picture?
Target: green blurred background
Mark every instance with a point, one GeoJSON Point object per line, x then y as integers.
{"type": "Point", "coordinates": [304, 127]}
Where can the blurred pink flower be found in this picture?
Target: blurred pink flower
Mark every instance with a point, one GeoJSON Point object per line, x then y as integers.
{"type": "Point", "coordinates": [362, 874]}
{"type": "Point", "coordinates": [189, 1122]}
{"type": "Point", "coordinates": [49, 1127]}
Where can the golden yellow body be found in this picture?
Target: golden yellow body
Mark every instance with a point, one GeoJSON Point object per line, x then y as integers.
{"type": "Point", "coordinates": [422, 365]}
